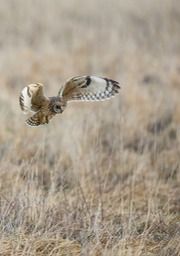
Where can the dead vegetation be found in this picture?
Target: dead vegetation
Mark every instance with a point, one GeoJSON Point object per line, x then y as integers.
{"type": "Point", "coordinates": [102, 178]}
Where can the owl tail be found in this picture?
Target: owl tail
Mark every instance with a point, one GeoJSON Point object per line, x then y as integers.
{"type": "Point", "coordinates": [38, 119]}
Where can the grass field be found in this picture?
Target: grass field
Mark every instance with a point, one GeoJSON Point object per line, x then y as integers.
{"type": "Point", "coordinates": [102, 179]}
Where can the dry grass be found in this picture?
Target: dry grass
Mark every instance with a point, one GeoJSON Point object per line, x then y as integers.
{"type": "Point", "coordinates": [103, 178]}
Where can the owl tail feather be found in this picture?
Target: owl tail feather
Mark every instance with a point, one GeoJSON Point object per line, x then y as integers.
{"type": "Point", "coordinates": [38, 119]}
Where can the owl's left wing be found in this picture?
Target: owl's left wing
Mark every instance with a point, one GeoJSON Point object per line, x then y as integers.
{"type": "Point", "coordinates": [32, 97]}
{"type": "Point", "coordinates": [88, 88]}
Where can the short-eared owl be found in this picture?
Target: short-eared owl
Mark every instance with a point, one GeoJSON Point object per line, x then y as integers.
{"type": "Point", "coordinates": [79, 88]}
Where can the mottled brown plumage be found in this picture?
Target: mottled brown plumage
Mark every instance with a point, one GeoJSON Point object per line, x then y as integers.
{"type": "Point", "coordinates": [79, 88]}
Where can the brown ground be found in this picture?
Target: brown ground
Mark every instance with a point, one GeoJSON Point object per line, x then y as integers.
{"type": "Point", "coordinates": [102, 178]}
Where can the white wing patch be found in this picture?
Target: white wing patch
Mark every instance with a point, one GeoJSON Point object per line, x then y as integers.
{"type": "Point", "coordinates": [25, 100]}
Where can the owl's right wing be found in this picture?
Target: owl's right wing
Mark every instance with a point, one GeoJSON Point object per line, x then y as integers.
{"type": "Point", "coordinates": [88, 88]}
{"type": "Point", "coordinates": [32, 98]}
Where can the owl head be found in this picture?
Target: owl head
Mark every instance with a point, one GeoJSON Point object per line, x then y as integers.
{"type": "Point", "coordinates": [57, 105]}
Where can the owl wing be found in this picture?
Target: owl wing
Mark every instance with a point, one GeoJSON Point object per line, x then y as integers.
{"type": "Point", "coordinates": [39, 118]}
{"type": "Point", "coordinates": [88, 88]}
{"type": "Point", "coordinates": [32, 98]}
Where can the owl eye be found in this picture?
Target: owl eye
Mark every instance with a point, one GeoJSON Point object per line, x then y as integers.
{"type": "Point", "coordinates": [57, 109]}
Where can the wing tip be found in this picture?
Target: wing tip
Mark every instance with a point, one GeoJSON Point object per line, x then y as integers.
{"type": "Point", "coordinates": [114, 85]}
{"type": "Point", "coordinates": [25, 100]}
{"type": "Point", "coordinates": [113, 82]}
{"type": "Point", "coordinates": [32, 123]}
{"type": "Point", "coordinates": [22, 104]}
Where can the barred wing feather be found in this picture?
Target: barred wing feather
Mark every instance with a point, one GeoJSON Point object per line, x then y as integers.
{"type": "Point", "coordinates": [88, 88]}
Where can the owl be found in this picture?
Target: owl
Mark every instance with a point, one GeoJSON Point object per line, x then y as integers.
{"type": "Point", "coordinates": [79, 88]}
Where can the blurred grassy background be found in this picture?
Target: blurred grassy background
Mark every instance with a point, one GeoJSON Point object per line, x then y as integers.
{"type": "Point", "coordinates": [102, 178]}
